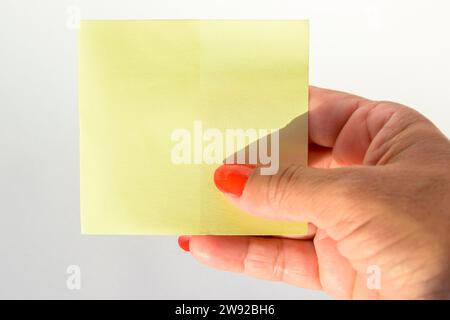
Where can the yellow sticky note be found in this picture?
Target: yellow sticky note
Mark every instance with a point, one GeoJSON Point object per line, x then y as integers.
{"type": "Point", "coordinates": [153, 96]}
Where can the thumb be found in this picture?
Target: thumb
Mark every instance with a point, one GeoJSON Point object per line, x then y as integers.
{"type": "Point", "coordinates": [324, 197]}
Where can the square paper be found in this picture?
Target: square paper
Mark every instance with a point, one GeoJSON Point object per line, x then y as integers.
{"type": "Point", "coordinates": [140, 81]}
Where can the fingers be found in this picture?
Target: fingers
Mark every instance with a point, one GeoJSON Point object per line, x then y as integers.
{"type": "Point", "coordinates": [269, 258]}
{"type": "Point", "coordinates": [361, 131]}
{"type": "Point", "coordinates": [346, 123]}
{"type": "Point", "coordinates": [324, 197]}
{"type": "Point", "coordinates": [328, 112]}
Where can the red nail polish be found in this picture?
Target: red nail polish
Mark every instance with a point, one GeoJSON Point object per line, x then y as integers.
{"type": "Point", "coordinates": [231, 178]}
{"type": "Point", "coordinates": [183, 242]}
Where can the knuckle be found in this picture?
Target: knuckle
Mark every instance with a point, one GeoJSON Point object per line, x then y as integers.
{"type": "Point", "coordinates": [265, 258]}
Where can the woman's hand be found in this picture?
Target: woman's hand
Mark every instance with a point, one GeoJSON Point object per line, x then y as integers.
{"type": "Point", "coordinates": [376, 194]}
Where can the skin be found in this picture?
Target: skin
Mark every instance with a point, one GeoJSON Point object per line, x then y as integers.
{"type": "Point", "coordinates": [376, 193]}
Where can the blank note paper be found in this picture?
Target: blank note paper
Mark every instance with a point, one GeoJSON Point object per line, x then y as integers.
{"type": "Point", "coordinates": [154, 95]}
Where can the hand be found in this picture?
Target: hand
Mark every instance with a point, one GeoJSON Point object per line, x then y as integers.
{"type": "Point", "coordinates": [376, 194]}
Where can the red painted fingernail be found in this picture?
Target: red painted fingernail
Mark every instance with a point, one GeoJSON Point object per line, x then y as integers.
{"type": "Point", "coordinates": [183, 242]}
{"type": "Point", "coordinates": [231, 178]}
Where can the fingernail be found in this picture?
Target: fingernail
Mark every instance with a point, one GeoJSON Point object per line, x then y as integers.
{"type": "Point", "coordinates": [183, 242]}
{"type": "Point", "coordinates": [231, 178]}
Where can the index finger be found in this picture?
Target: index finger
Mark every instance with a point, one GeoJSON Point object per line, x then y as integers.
{"type": "Point", "coordinates": [329, 111]}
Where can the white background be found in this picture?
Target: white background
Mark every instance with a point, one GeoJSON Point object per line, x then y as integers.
{"type": "Point", "coordinates": [390, 50]}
